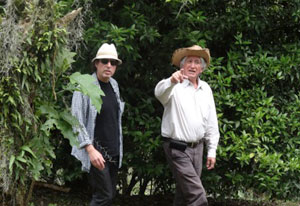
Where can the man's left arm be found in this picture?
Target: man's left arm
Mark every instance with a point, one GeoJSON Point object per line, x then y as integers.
{"type": "Point", "coordinates": [210, 163]}
{"type": "Point", "coordinates": [212, 135]}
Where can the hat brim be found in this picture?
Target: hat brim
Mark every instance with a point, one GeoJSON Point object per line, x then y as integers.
{"type": "Point", "coordinates": [179, 54]}
{"type": "Point", "coordinates": [108, 57]}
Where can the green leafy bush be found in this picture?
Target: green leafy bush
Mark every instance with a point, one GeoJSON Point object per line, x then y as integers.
{"type": "Point", "coordinates": [258, 119]}
{"type": "Point", "coordinates": [254, 76]}
{"type": "Point", "coordinates": [33, 87]}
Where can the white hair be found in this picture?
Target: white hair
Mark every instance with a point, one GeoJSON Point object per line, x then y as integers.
{"type": "Point", "coordinates": [203, 62]}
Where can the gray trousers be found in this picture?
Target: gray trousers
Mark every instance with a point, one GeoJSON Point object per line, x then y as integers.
{"type": "Point", "coordinates": [103, 184]}
{"type": "Point", "coordinates": [186, 168]}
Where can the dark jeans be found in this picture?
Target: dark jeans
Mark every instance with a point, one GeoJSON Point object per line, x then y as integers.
{"type": "Point", "coordinates": [187, 167]}
{"type": "Point", "coordinates": [103, 183]}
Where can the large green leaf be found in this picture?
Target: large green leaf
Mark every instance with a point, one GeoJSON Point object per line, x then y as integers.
{"type": "Point", "coordinates": [63, 60]}
{"type": "Point", "coordinates": [49, 110]}
{"type": "Point", "coordinates": [67, 131]}
{"type": "Point", "coordinates": [88, 87]}
{"type": "Point", "coordinates": [64, 121]}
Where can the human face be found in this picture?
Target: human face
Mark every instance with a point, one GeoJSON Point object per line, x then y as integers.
{"type": "Point", "coordinates": [192, 67]}
{"type": "Point", "coordinates": [105, 69]}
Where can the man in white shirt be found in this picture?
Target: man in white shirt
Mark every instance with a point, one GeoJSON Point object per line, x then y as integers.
{"type": "Point", "coordinates": [189, 119]}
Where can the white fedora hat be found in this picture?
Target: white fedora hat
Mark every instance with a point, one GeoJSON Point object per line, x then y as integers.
{"type": "Point", "coordinates": [195, 50]}
{"type": "Point", "coordinates": [107, 51]}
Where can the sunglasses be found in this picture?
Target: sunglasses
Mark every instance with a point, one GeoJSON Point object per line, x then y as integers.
{"type": "Point", "coordinates": [113, 62]}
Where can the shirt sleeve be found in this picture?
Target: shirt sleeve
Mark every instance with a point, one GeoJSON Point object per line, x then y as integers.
{"type": "Point", "coordinates": [79, 110]}
{"type": "Point", "coordinates": [163, 90]}
{"type": "Point", "coordinates": [212, 134]}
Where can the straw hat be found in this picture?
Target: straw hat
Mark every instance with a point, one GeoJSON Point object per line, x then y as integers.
{"type": "Point", "coordinates": [195, 50]}
{"type": "Point", "coordinates": [107, 51]}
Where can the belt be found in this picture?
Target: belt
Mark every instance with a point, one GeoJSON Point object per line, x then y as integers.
{"type": "Point", "coordinates": [189, 144]}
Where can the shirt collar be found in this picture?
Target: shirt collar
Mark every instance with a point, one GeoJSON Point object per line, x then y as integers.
{"type": "Point", "coordinates": [186, 83]}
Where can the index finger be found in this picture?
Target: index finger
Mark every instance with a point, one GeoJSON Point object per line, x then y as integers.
{"type": "Point", "coordinates": [182, 74]}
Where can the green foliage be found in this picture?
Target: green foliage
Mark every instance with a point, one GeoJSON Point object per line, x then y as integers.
{"type": "Point", "coordinates": [88, 87]}
{"type": "Point", "coordinates": [143, 147]}
{"type": "Point", "coordinates": [254, 76]}
{"type": "Point", "coordinates": [257, 128]}
{"type": "Point", "coordinates": [33, 96]}
{"type": "Point", "coordinates": [62, 120]}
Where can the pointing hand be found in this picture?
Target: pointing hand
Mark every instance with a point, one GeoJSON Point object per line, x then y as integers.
{"type": "Point", "coordinates": [178, 77]}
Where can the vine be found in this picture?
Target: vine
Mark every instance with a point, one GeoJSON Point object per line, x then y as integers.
{"type": "Point", "coordinates": [35, 57]}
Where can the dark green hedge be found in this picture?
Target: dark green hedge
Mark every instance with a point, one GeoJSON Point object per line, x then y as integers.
{"type": "Point", "coordinates": [254, 76]}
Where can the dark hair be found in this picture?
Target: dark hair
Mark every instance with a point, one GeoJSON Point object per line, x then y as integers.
{"type": "Point", "coordinates": [92, 65]}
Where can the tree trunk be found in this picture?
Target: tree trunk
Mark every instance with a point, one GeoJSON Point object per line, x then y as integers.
{"type": "Point", "coordinates": [133, 182]}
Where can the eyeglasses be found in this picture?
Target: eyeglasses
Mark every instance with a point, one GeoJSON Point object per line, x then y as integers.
{"type": "Point", "coordinates": [113, 62]}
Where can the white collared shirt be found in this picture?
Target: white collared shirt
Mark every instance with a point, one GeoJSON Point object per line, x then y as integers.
{"type": "Point", "coordinates": [189, 113]}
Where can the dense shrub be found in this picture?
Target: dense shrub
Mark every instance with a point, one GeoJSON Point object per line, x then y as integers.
{"type": "Point", "coordinates": [258, 105]}
{"type": "Point", "coordinates": [34, 91]}
{"type": "Point", "coordinates": [255, 81]}
{"type": "Point", "coordinates": [254, 76]}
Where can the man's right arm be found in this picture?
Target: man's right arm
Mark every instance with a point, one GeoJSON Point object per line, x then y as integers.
{"type": "Point", "coordinates": [95, 156]}
{"type": "Point", "coordinates": [163, 90]}
{"type": "Point", "coordinates": [79, 110]}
